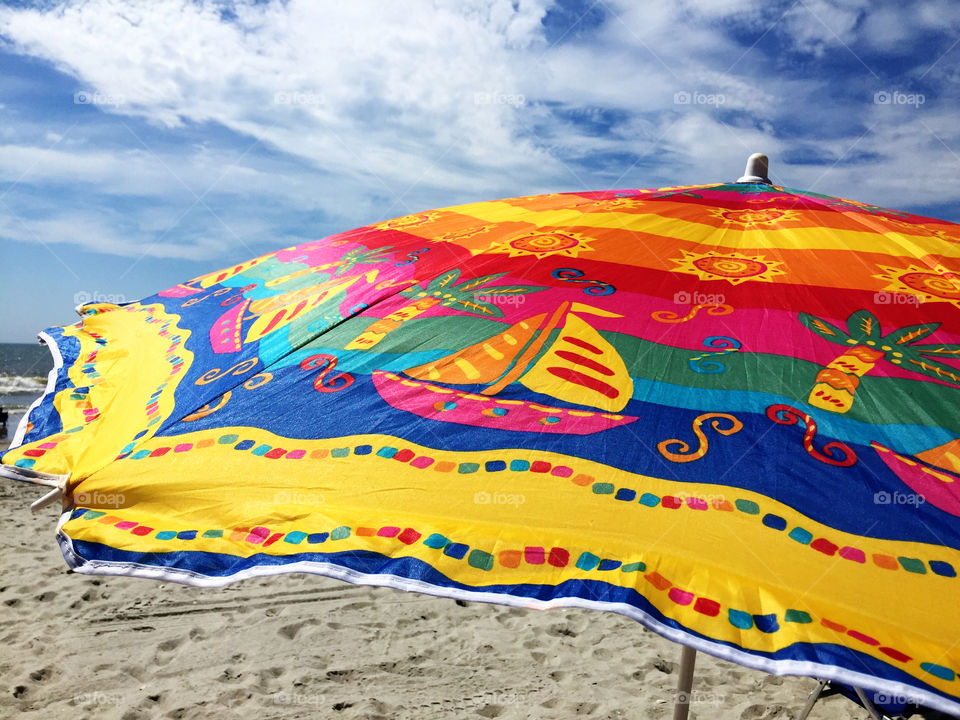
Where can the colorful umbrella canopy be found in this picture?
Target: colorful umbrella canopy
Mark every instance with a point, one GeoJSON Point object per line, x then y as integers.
{"type": "Point", "coordinates": [729, 411]}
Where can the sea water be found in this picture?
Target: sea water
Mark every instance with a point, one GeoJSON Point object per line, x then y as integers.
{"type": "Point", "coordinates": [23, 378]}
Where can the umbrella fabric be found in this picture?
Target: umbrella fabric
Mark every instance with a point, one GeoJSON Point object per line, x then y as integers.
{"type": "Point", "coordinates": [729, 411]}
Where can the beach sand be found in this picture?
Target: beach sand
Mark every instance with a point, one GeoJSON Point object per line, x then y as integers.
{"type": "Point", "coordinates": [302, 646]}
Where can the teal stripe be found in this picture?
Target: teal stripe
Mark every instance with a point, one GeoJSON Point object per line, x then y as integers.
{"type": "Point", "coordinates": [908, 439]}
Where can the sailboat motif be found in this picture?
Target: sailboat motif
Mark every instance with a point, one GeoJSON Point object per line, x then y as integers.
{"type": "Point", "coordinates": [271, 313]}
{"type": "Point", "coordinates": [560, 355]}
{"type": "Point", "coordinates": [933, 474]}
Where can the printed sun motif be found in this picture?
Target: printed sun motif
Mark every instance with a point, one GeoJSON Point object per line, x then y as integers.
{"type": "Point", "coordinates": [928, 284]}
{"type": "Point", "coordinates": [944, 235]}
{"type": "Point", "coordinates": [610, 204]}
{"type": "Point", "coordinates": [464, 234]}
{"type": "Point", "coordinates": [408, 221]}
{"type": "Point", "coordinates": [733, 267]}
{"type": "Point", "coordinates": [540, 244]}
{"type": "Point", "coordinates": [752, 217]}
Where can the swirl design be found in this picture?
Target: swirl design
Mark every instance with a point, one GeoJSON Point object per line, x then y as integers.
{"type": "Point", "coordinates": [596, 287]}
{"type": "Point", "coordinates": [833, 453]}
{"type": "Point", "coordinates": [239, 369]}
{"type": "Point", "coordinates": [668, 316]}
{"type": "Point", "coordinates": [722, 346]}
{"type": "Point", "coordinates": [683, 453]}
{"type": "Point", "coordinates": [209, 408]}
{"type": "Point", "coordinates": [326, 363]}
{"type": "Point", "coordinates": [412, 257]}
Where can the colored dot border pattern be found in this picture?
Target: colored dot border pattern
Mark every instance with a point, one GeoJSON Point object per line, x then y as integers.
{"type": "Point", "coordinates": [555, 557]}
{"type": "Point", "coordinates": [408, 456]}
{"type": "Point", "coordinates": [80, 394]}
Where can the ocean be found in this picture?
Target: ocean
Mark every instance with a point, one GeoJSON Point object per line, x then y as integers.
{"type": "Point", "coordinates": [23, 377]}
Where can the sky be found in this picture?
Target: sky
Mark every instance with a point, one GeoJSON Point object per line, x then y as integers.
{"type": "Point", "coordinates": [143, 144]}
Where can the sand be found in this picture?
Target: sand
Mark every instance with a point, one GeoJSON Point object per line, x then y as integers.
{"type": "Point", "coordinates": [303, 646]}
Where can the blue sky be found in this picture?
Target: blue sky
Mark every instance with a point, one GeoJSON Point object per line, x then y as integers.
{"type": "Point", "coordinates": [142, 144]}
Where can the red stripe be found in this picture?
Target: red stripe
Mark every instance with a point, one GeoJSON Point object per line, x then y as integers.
{"type": "Point", "coordinates": [585, 380]}
{"type": "Point", "coordinates": [274, 321]}
{"type": "Point", "coordinates": [585, 362]}
{"type": "Point", "coordinates": [583, 345]}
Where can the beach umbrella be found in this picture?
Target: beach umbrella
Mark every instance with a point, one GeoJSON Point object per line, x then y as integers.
{"type": "Point", "coordinates": [730, 411]}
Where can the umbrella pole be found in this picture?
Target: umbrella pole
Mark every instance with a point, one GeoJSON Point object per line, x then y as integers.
{"type": "Point", "coordinates": [812, 699]}
{"type": "Point", "coordinates": [871, 708]}
{"type": "Point", "coordinates": [681, 706]}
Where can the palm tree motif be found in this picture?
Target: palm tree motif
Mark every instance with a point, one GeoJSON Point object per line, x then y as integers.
{"type": "Point", "coordinates": [443, 291]}
{"type": "Point", "coordinates": [837, 382]}
{"type": "Point", "coordinates": [348, 261]}
{"type": "Point", "coordinates": [361, 257]}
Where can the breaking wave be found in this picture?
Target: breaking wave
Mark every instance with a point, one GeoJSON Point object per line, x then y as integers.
{"type": "Point", "coordinates": [16, 384]}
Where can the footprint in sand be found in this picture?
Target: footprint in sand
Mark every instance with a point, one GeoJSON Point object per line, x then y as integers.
{"type": "Point", "coordinates": [340, 675]}
{"type": "Point", "coordinates": [491, 711]}
{"type": "Point", "coordinates": [290, 631]}
{"type": "Point", "coordinates": [165, 650]}
{"type": "Point", "coordinates": [561, 630]}
{"type": "Point", "coordinates": [40, 675]}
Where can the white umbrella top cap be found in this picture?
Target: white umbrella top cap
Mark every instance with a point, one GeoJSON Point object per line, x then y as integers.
{"type": "Point", "coordinates": [756, 171]}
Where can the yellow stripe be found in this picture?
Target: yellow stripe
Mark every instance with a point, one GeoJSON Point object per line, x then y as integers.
{"type": "Point", "coordinates": [729, 556]}
{"type": "Point", "coordinates": [786, 237]}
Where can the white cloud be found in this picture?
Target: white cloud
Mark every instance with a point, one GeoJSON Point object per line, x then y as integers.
{"type": "Point", "coordinates": [386, 109]}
